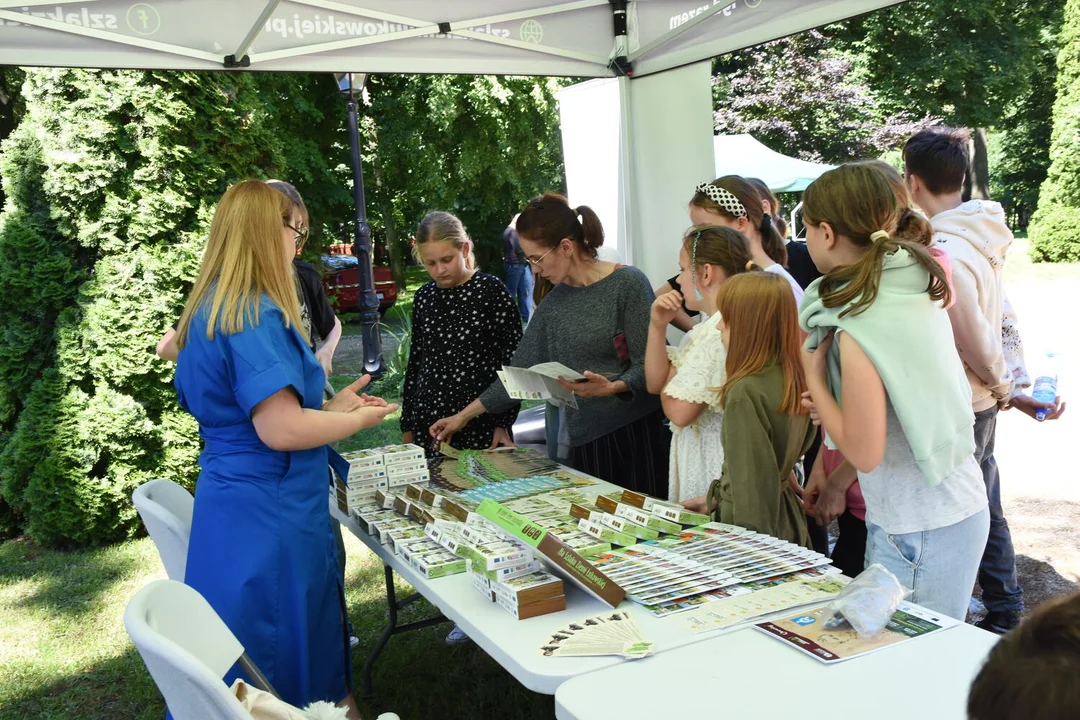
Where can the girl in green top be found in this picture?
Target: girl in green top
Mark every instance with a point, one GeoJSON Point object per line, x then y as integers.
{"type": "Point", "coordinates": [765, 429]}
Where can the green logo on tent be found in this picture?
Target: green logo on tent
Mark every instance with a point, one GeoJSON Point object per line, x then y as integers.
{"type": "Point", "coordinates": [143, 19]}
{"type": "Point", "coordinates": [532, 32]}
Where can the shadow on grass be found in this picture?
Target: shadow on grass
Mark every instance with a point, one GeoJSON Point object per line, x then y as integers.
{"type": "Point", "coordinates": [72, 583]}
{"type": "Point", "coordinates": [418, 675]}
{"type": "Point", "coordinates": [119, 687]}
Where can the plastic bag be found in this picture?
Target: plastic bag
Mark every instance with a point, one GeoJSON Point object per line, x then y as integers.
{"type": "Point", "coordinates": [868, 602]}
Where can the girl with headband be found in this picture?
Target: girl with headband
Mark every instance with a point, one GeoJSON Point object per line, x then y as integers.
{"type": "Point", "coordinates": [688, 378]}
{"type": "Point", "coordinates": [881, 339]}
{"type": "Point", "coordinates": [733, 202]}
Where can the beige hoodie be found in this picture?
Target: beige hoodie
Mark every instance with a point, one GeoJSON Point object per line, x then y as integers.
{"type": "Point", "coordinates": [976, 239]}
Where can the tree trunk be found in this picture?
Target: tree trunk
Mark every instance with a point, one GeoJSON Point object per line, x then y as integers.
{"type": "Point", "coordinates": [977, 182]}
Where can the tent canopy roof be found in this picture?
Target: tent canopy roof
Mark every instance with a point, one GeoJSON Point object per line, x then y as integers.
{"type": "Point", "coordinates": [744, 155]}
{"type": "Point", "coordinates": [576, 38]}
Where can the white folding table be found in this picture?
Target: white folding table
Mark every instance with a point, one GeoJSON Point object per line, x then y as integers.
{"type": "Point", "coordinates": [750, 676]}
{"type": "Point", "coordinates": [514, 644]}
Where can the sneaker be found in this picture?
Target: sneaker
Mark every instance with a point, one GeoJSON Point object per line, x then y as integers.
{"type": "Point", "coordinates": [1000, 621]}
{"type": "Point", "coordinates": [353, 641]}
{"type": "Point", "coordinates": [457, 636]}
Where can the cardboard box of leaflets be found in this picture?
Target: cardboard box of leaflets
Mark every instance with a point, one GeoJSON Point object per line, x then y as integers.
{"type": "Point", "coordinates": [561, 557]}
{"type": "Point", "coordinates": [529, 589]}
{"type": "Point", "coordinates": [524, 612]}
{"type": "Point", "coordinates": [665, 510]}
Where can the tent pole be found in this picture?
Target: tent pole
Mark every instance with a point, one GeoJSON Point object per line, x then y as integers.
{"type": "Point", "coordinates": [369, 303]}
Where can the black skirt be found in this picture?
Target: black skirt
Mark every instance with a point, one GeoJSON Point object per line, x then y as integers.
{"type": "Point", "coordinates": [634, 457]}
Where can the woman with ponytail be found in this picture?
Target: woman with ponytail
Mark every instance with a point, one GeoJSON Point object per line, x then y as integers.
{"type": "Point", "coordinates": [595, 319]}
{"type": "Point", "coordinates": [881, 340]}
{"type": "Point", "coordinates": [734, 202]}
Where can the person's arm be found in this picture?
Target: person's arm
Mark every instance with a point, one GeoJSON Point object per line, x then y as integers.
{"type": "Point", "coordinates": [977, 340]}
{"type": "Point", "coordinates": [683, 321]}
{"type": "Point", "coordinates": [325, 355]}
{"type": "Point", "coordinates": [166, 347]}
{"type": "Point", "coordinates": [859, 430]}
{"type": "Point", "coordinates": [657, 363]}
{"type": "Point", "coordinates": [284, 425]}
{"type": "Point", "coordinates": [750, 463]}
{"type": "Point", "coordinates": [494, 399]}
{"type": "Point", "coordinates": [1013, 347]}
{"type": "Point", "coordinates": [695, 385]}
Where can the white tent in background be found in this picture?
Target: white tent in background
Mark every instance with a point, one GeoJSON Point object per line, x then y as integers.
{"type": "Point", "coordinates": [744, 155]}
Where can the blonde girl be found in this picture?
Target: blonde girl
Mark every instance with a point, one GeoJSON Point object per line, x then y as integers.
{"type": "Point", "coordinates": [259, 550]}
{"type": "Point", "coordinates": [688, 378]}
{"type": "Point", "coordinates": [465, 327]}
{"type": "Point", "coordinates": [765, 429]}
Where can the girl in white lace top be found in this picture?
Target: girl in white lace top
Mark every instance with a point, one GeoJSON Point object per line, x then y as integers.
{"type": "Point", "coordinates": [688, 378]}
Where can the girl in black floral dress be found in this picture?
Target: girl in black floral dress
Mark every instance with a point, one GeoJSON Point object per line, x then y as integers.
{"type": "Point", "coordinates": [465, 327]}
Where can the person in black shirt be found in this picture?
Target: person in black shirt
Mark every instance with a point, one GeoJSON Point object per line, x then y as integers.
{"type": "Point", "coordinates": [799, 263]}
{"type": "Point", "coordinates": [465, 328]}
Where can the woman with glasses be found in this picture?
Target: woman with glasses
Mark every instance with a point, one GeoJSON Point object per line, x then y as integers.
{"type": "Point", "coordinates": [260, 551]}
{"type": "Point", "coordinates": [595, 320]}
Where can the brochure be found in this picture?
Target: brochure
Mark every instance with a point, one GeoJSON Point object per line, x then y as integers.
{"type": "Point", "coordinates": [812, 634]}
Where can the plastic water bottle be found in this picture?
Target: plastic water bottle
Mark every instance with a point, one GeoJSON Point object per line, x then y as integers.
{"type": "Point", "coordinates": [1045, 389]}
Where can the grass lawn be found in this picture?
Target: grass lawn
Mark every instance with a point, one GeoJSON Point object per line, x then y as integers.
{"type": "Point", "coordinates": [64, 653]}
{"type": "Point", "coordinates": [1020, 268]}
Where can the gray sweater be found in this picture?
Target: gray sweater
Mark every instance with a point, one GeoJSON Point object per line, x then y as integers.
{"type": "Point", "coordinates": [582, 328]}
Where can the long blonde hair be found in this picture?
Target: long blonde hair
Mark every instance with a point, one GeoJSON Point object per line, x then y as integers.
{"type": "Point", "coordinates": [243, 261]}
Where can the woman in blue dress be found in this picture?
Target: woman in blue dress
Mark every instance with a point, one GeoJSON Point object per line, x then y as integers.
{"type": "Point", "coordinates": [260, 551]}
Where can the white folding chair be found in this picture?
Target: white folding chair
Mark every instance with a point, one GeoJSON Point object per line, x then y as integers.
{"type": "Point", "coordinates": [165, 509]}
{"type": "Point", "coordinates": [187, 649]}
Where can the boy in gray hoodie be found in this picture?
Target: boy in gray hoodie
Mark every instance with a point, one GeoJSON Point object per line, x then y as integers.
{"type": "Point", "coordinates": [975, 237]}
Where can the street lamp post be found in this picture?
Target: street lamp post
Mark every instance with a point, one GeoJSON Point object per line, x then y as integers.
{"type": "Point", "coordinates": [351, 85]}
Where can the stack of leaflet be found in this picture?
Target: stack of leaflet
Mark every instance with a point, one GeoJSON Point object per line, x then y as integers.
{"type": "Point", "coordinates": [385, 468]}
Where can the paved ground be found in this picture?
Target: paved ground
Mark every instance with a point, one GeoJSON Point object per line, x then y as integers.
{"type": "Point", "coordinates": [1040, 474]}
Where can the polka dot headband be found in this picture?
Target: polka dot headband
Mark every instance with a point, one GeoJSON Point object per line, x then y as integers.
{"type": "Point", "coordinates": [724, 198]}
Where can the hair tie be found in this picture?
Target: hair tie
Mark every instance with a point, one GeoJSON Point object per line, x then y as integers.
{"type": "Point", "coordinates": [766, 220]}
{"type": "Point", "coordinates": [724, 198]}
{"type": "Point", "coordinates": [750, 265]}
{"type": "Point", "coordinates": [878, 235]}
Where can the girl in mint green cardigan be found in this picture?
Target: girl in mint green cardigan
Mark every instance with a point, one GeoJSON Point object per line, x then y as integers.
{"type": "Point", "coordinates": [890, 390]}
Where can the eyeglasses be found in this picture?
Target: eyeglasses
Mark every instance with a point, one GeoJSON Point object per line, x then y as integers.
{"type": "Point", "coordinates": [536, 262]}
{"type": "Point", "coordinates": [301, 234]}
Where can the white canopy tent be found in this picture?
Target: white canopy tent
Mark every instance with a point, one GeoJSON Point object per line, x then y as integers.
{"type": "Point", "coordinates": [575, 38]}
{"type": "Point", "coordinates": [664, 122]}
{"type": "Point", "coordinates": [744, 155]}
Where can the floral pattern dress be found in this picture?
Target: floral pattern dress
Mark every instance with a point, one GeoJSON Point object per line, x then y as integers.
{"type": "Point", "coordinates": [697, 457]}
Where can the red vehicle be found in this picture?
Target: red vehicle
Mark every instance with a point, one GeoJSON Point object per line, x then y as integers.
{"type": "Point", "coordinates": [341, 280]}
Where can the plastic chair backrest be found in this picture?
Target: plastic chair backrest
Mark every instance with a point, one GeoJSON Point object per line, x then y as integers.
{"type": "Point", "coordinates": [165, 509]}
{"type": "Point", "coordinates": [187, 649]}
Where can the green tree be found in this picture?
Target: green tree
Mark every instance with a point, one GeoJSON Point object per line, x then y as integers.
{"type": "Point", "coordinates": [1055, 228]}
{"type": "Point", "coordinates": [965, 61]}
{"type": "Point", "coordinates": [478, 147]}
{"type": "Point", "coordinates": [803, 97]}
{"type": "Point", "coordinates": [111, 178]}
{"type": "Point", "coordinates": [11, 105]}
{"type": "Point", "coordinates": [1020, 150]}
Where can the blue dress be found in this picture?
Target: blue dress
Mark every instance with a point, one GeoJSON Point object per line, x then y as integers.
{"type": "Point", "coordinates": [261, 552]}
